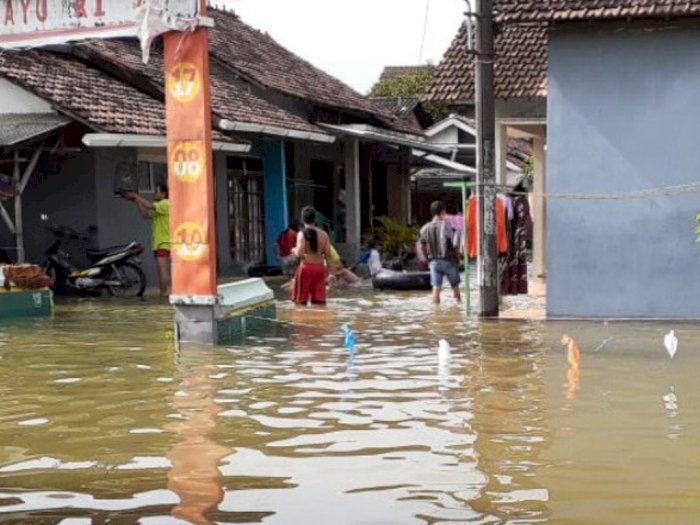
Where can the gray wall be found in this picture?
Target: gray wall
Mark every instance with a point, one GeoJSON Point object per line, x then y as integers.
{"type": "Point", "coordinates": [118, 220]}
{"type": "Point", "coordinates": [68, 198]}
{"type": "Point", "coordinates": [623, 115]}
{"type": "Point", "coordinates": [84, 186]}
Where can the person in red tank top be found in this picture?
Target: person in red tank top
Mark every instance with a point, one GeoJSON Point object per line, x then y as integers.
{"type": "Point", "coordinates": [314, 251]}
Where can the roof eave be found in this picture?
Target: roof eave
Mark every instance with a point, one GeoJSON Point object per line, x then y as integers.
{"type": "Point", "coordinates": [373, 134]}
{"type": "Point", "coordinates": [277, 131]}
{"type": "Point", "coordinates": [128, 140]}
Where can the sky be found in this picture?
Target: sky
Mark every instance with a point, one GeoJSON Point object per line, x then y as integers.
{"type": "Point", "coordinates": [354, 40]}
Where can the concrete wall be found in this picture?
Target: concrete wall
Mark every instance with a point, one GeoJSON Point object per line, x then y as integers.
{"type": "Point", "coordinates": [68, 198]}
{"type": "Point", "coordinates": [118, 220]}
{"type": "Point", "coordinates": [623, 115]}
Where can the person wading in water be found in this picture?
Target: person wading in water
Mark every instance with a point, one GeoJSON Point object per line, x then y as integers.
{"type": "Point", "coordinates": [314, 251]}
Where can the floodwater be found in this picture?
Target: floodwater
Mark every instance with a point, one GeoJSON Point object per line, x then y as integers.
{"type": "Point", "coordinates": [103, 421]}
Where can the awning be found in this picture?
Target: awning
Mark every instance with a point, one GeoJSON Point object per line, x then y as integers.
{"type": "Point", "coordinates": [374, 134]}
{"type": "Point", "coordinates": [247, 127]}
{"type": "Point", "coordinates": [16, 128]}
{"type": "Point", "coordinates": [443, 162]}
{"type": "Point", "coordinates": [117, 140]}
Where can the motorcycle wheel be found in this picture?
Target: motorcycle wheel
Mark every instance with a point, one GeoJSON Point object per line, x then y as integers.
{"type": "Point", "coordinates": [133, 279]}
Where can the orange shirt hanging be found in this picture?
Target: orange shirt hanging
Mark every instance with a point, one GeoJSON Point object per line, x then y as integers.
{"type": "Point", "coordinates": [501, 235]}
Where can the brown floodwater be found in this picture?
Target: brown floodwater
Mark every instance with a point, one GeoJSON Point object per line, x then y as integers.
{"type": "Point", "coordinates": [103, 420]}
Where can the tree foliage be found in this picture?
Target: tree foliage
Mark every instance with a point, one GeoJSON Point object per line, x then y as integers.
{"type": "Point", "coordinates": [403, 86]}
{"type": "Point", "coordinates": [411, 86]}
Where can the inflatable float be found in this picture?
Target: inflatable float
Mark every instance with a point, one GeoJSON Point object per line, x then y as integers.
{"type": "Point", "coordinates": [391, 280]}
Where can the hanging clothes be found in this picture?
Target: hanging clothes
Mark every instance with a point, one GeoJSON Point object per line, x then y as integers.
{"type": "Point", "coordinates": [501, 234]}
{"type": "Point", "coordinates": [514, 274]}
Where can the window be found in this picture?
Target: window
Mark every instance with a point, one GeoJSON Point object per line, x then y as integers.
{"type": "Point", "coordinates": [150, 175]}
{"type": "Point", "coordinates": [246, 210]}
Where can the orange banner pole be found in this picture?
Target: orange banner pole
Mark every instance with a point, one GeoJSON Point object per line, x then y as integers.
{"type": "Point", "coordinates": [190, 165]}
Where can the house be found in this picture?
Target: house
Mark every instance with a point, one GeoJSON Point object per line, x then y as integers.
{"type": "Point", "coordinates": [285, 133]}
{"type": "Point", "coordinates": [622, 170]}
{"type": "Point", "coordinates": [458, 133]}
{"type": "Point", "coordinates": [521, 106]}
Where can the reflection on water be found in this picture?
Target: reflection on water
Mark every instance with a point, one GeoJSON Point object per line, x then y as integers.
{"type": "Point", "coordinates": [194, 472]}
{"type": "Point", "coordinates": [103, 421]}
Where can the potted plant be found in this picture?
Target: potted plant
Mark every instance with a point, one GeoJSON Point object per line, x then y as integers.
{"type": "Point", "coordinates": [396, 240]}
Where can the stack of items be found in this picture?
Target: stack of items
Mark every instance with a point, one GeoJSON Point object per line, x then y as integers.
{"type": "Point", "coordinates": [24, 277]}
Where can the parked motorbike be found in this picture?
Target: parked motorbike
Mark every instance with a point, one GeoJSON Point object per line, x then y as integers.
{"type": "Point", "coordinates": [114, 269]}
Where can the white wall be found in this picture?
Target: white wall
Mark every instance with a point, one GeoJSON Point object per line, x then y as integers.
{"type": "Point", "coordinates": [14, 99]}
{"type": "Point", "coordinates": [449, 135]}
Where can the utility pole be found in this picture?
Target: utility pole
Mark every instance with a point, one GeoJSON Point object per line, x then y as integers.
{"type": "Point", "coordinates": [485, 161]}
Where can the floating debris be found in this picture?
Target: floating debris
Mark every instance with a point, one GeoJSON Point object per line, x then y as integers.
{"type": "Point", "coordinates": [604, 344]}
{"type": "Point", "coordinates": [68, 381]}
{"type": "Point", "coordinates": [573, 353]}
{"type": "Point", "coordinates": [349, 338]}
{"type": "Point", "coordinates": [34, 422]}
{"type": "Point", "coordinates": [444, 352]}
{"type": "Point", "coordinates": [671, 400]}
{"type": "Point", "coordinates": [671, 343]}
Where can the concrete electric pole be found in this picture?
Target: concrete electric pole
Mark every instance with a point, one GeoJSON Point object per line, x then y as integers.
{"type": "Point", "coordinates": [486, 156]}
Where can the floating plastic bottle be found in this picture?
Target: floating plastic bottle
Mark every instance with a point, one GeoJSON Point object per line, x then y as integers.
{"type": "Point", "coordinates": [444, 353]}
{"type": "Point", "coordinates": [349, 338]}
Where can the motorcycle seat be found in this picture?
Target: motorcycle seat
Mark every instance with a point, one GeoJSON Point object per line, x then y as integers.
{"type": "Point", "coordinates": [96, 255]}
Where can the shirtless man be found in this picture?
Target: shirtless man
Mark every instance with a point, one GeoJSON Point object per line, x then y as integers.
{"type": "Point", "coordinates": [313, 250]}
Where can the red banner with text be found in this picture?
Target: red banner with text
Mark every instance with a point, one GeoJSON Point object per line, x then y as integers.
{"type": "Point", "coordinates": [190, 163]}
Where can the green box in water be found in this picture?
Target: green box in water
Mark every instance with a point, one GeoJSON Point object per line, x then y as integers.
{"type": "Point", "coordinates": [25, 303]}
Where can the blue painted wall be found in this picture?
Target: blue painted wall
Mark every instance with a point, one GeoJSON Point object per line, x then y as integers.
{"type": "Point", "coordinates": [275, 196]}
{"type": "Point", "coordinates": [623, 115]}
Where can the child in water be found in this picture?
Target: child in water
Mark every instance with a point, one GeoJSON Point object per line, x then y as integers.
{"type": "Point", "coordinates": [371, 258]}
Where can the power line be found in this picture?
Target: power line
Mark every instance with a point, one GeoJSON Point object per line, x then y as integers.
{"type": "Point", "coordinates": [661, 191]}
{"type": "Point", "coordinates": [425, 31]}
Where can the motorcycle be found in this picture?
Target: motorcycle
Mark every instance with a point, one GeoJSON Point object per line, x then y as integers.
{"type": "Point", "coordinates": [113, 269]}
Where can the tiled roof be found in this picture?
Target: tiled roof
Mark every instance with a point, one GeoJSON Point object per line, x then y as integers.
{"type": "Point", "coordinates": [230, 99]}
{"type": "Point", "coordinates": [88, 95]}
{"type": "Point", "coordinates": [19, 127]}
{"type": "Point", "coordinates": [84, 93]}
{"type": "Point", "coordinates": [105, 85]}
{"type": "Point", "coordinates": [391, 72]}
{"type": "Point", "coordinates": [260, 59]}
{"type": "Point", "coordinates": [403, 108]}
{"type": "Point", "coordinates": [519, 151]}
{"type": "Point", "coordinates": [563, 10]}
{"type": "Point", "coordinates": [240, 54]}
{"type": "Point", "coordinates": [520, 67]}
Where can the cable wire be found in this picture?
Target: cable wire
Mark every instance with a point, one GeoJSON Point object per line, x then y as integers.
{"type": "Point", "coordinates": [425, 31]}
